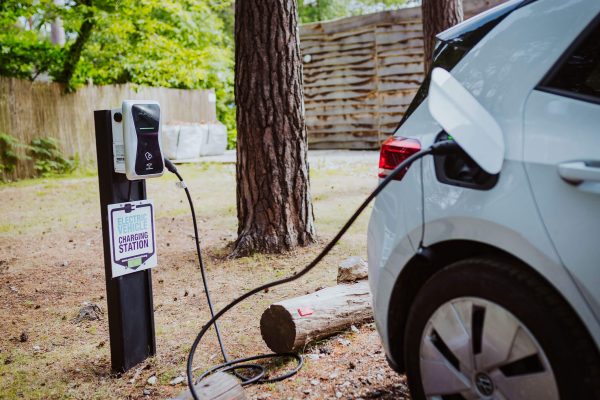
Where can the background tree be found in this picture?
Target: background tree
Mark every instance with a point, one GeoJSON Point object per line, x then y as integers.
{"type": "Point", "coordinates": [438, 15]}
{"type": "Point", "coordinates": [273, 199]}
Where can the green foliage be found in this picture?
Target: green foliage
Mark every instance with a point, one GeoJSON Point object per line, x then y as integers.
{"type": "Point", "coordinates": [183, 44]}
{"type": "Point", "coordinates": [9, 157]}
{"type": "Point", "coordinates": [48, 159]}
{"type": "Point", "coordinates": [25, 56]}
{"type": "Point", "coordinates": [231, 139]}
{"type": "Point", "coordinates": [323, 10]}
{"type": "Point", "coordinates": [172, 43]}
{"type": "Point", "coordinates": [24, 52]}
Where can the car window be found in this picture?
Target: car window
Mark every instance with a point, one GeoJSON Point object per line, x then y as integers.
{"type": "Point", "coordinates": [579, 73]}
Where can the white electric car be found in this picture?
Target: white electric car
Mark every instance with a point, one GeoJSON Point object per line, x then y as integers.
{"type": "Point", "coordinates": [487, 285]}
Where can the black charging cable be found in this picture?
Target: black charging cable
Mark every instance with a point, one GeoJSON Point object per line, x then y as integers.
{"type": "Point", "coordinates": [240, 363]}
{"type": "Point", "coordinates": [443, 147]}
{"type": "Point", "coordinates": [171, 167]}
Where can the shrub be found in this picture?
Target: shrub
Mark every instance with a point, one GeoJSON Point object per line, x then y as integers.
{"type": "Point", "coordinates": [48, 158]}
{"type": "Point", "coordinates": [9, 156]}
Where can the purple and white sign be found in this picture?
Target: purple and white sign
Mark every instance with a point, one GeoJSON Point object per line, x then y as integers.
{"type": "Point", "coordinates": [132, 245]}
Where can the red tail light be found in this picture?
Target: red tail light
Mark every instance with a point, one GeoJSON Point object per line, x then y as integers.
{"type": "Point", "coordinates": [393, 151]}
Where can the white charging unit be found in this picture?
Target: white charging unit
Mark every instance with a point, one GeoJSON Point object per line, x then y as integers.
{"type": "Point", "coordinates": [137, 148]}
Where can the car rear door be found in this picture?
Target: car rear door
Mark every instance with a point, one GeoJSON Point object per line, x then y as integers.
{"type": "Point", "coordinates": [562, 158]}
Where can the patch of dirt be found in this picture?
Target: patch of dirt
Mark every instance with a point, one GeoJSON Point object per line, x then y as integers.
{"type": "Point", "coordinates": [347, 366]}
{"type": "Point", "coordinates": [51, 265]}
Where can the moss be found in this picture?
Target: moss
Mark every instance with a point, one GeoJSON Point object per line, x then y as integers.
{"type": "Point", "coordinates": [25, 377]}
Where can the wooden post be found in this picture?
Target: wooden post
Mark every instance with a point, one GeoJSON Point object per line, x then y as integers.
{"type": "Point", "coordinates": [128, 297]}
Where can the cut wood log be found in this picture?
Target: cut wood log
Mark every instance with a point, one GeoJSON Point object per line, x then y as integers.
{"type": "Point", "coordinates": [352, 269]}
{"type": "Point", "coordinates": [218, 386]}
{"type": "Point", "coordinates": [291, 324]}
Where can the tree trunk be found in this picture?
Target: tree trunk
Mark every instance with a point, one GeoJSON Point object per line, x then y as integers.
{"type": "Point", "coordinates": [293, 323]}
{"type": "Point", "coordinates": [273, 198]}
{"type": "Point", "coordinates": [438, 15]}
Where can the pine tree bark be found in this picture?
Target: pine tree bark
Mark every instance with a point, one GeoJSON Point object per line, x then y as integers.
{"type": "Point", "coordinates": [438, 15]}
{"type": "Point", "coordinates": [273, 198]}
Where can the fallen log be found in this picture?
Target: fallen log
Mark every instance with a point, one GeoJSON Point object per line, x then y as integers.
{"type": "Point", "coordinates": [291, 324]}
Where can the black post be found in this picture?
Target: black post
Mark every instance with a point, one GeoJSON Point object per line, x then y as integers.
{"type": "Point", "coordinates": [129, 297]}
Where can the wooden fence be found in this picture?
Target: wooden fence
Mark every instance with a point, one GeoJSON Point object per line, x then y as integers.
{"type": "Point", "coordinates": [29, 110]}
{"type": "Point", "coordinates": [361, 73]}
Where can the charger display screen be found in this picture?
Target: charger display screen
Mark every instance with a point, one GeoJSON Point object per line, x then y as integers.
{"type": "Point", "coordinates": [146, 118]}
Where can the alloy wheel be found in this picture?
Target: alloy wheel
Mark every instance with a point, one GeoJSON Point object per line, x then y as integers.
{"type": "Point", "coordinates": [472, 348]}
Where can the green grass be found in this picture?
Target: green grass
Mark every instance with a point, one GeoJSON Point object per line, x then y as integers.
{"type": "Point", "coordinates": [4, 228]}
{"type": "Point", "coordinates": [78, 173]}
{"type": "Point", "coordinates": [17, 380]}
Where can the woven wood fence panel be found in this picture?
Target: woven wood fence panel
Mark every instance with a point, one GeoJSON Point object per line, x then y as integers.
{"type": "Point", "coordinates": [361, 73]}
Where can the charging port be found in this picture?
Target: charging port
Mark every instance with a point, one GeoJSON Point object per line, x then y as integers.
{"type": "Point", "coordinates": [459, 169]}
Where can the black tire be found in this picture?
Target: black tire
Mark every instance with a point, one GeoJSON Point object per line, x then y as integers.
{"type": "Point", "coordinates": [539, 307]}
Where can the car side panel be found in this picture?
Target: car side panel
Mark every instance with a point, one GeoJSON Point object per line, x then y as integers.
{"type": "Point", "coordinates": [395, 226]}
{"type": "Point", "coordinates": [507, 218]}
{"type": "Point", "coordinates": [388, 230]}
{"type": "Point", "coordinates": [561, 129]}
{"type": "Point", "coordinates": [501, 72]}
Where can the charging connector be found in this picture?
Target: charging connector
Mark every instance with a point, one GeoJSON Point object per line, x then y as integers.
{"type": "Point", "coordinates": [445, 147]}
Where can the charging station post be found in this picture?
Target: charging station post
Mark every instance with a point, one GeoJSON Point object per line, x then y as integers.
{"type": "Point", "coordinates": [129, 297]}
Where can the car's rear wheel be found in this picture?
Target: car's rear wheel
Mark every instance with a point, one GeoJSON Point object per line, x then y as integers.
{"type": "Point", "coordinates": [491, 329]}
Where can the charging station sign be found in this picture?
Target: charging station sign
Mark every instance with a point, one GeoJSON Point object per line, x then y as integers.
{"type": "Point", "coordinates": [132, 244]}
